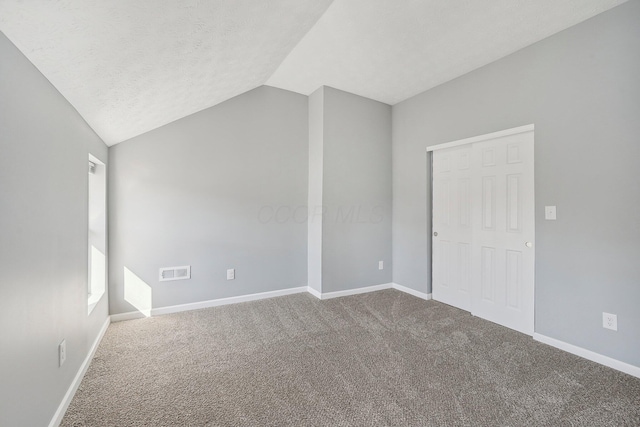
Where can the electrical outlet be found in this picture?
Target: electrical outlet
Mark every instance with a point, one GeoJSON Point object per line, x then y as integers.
{"type": "Point", "coordinates": [231, 274]}
{"type": "Point", "coordinates": [380, 265]}
{"type": "Point", "coordinates": [62, 352]}
{"type": "Point", "coordinates": [610, 321]}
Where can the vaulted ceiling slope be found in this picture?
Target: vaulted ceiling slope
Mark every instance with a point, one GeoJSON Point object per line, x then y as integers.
{"type": "Point", "coordinates": [391, 50]}
{"type": "Point", "coordinates": [131, 66]}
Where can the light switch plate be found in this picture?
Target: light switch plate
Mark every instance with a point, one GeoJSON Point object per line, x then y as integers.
{"type": "Point", "coordinates": [550, 213]}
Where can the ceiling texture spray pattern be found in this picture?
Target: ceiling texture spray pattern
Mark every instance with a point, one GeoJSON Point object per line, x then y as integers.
{"type": "Point", "coordinates": [132, 66]}
{"type": "Point", "coordinates": [392, 50]}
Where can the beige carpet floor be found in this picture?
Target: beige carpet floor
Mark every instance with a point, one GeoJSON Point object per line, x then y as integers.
{"type": "Point", "coordinates": [379, 359]}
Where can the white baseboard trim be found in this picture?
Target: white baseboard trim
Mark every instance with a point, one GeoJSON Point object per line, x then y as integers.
{"type": "Point", "coordinates": [226, 301]}
{"type": "Point", "coordinates": [206, 304]}
{"type": "Point", "coordinates": [263, 295]}
{"type": "Point", "coordinates": [366, 289]}
{"type": "Point", "coordinates": [68, 397]}
{"type": "Point", "coordinates": [131, 315]}
{"type": "Point", "coordinates": [411, 291]}
{"type": "Point", "coordinates": [356, 291]}
{"type": "Point", "coordinates": [313, 292]}
{"type": "Point", "coordinates": [590, 355]}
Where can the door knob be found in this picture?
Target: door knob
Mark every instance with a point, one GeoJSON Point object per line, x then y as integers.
{"type": "Point", "coordinates": [435, 233]}
{"type": "Point", "coordinates": [528, 244]}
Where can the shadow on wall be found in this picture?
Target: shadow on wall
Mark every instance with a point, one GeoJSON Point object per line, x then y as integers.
{"type": "Point", "coordinates": [137, 292]}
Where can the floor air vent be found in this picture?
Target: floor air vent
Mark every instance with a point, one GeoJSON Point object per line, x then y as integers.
{"type": "Point", "coordinates": [175, 273]}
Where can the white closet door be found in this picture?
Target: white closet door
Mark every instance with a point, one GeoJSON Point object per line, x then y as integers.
{"type": "Point", "coordinates": [503, 231]}
{"type": "Point", "coordinates": [452, 220]}
{"type": "Point", "coordinates": [483, 228]}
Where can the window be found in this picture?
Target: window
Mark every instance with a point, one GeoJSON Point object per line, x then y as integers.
{"type": "Point", "coordinates": [97, 245]}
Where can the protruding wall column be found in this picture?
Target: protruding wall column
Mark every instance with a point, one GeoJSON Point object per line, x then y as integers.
{"type": "Point", "coordinates": [349, 191]}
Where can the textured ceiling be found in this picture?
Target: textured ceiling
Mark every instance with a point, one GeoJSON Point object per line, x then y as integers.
{"type": "Point", "coordinates": [131, 66]}
{"type": "Point", "coordinates": [391, 50]}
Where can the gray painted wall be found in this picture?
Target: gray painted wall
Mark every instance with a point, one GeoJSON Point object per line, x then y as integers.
{"type": "Point", "coordinates": [44, 147]}
{"type": "Point", "coordinates": [356, 191]}
{"type": "Point", "coordinates": [314, 226]}
{"type": "Point", "coordinates": [580, 89]}
{"type": "Point", "coordinates": [222, 188]}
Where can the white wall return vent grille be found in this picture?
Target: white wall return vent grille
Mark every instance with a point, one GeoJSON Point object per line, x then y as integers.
{"type": "Point", "coordinates": [175, 273]}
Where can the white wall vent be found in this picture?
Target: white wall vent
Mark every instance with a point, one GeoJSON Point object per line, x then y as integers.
{"type": "Point", "coordinates": [175, 273]}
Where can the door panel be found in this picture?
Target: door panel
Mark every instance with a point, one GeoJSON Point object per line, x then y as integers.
{"type": "Point", "coordinates": [511, 194]}
{"type": "Point", "coordinates": [452, 189]}
{"type": "Point", "coordinates": [514, 278]}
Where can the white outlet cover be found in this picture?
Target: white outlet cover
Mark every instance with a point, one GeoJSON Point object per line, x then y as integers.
{"type": "Point", "coordinates": [380, 265]}
{"type": "Point", "coordinates": [231, 274]}
{"type": "Point", "coordinates": [62, 352]}
{"type": "Point", "coordinates": [610, 321]}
